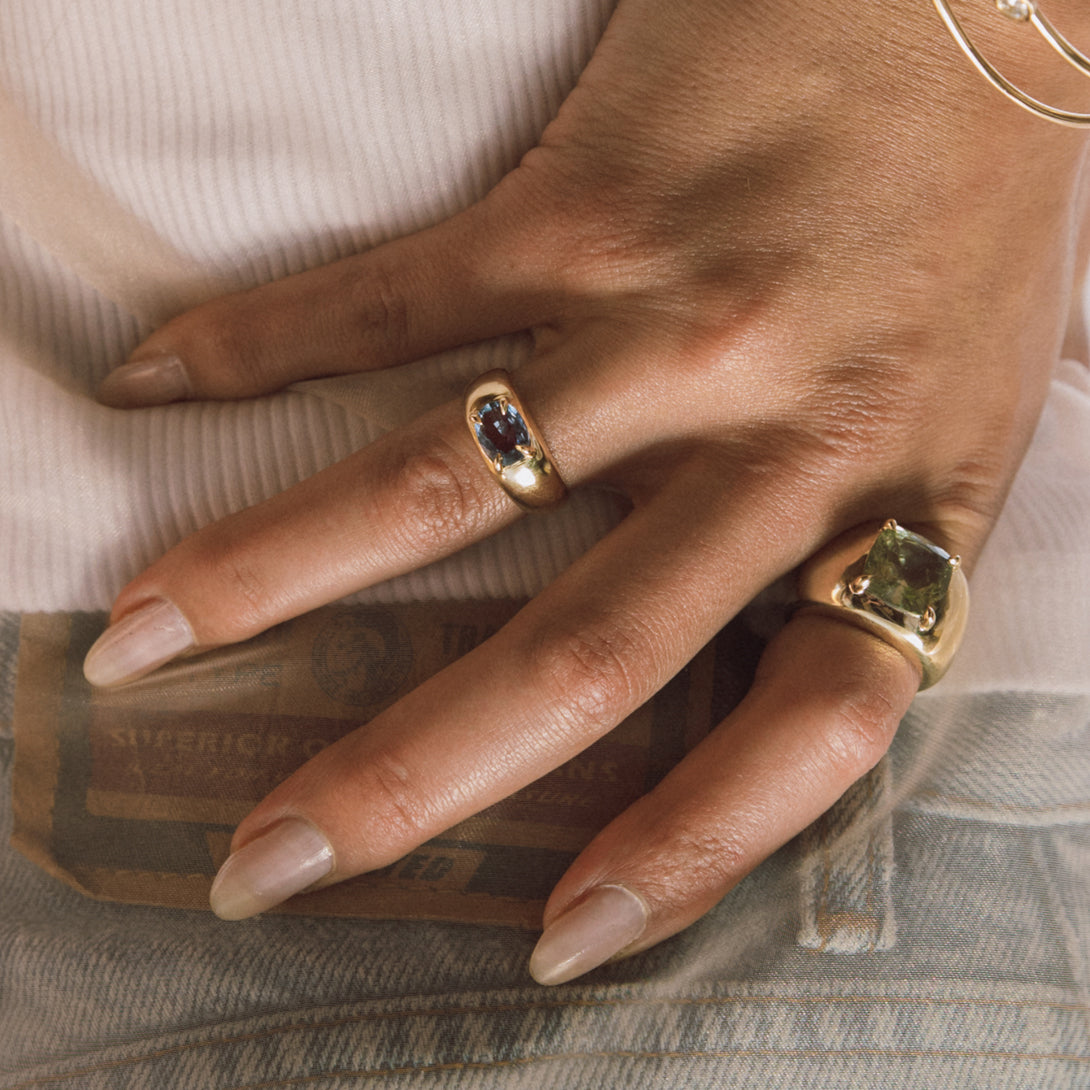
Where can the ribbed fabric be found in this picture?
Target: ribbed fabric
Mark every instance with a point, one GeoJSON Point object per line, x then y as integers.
{"type": "Point", "coordinates": [242, 143]}
{"type": "Point", "coordinates": [250, 141]}
{"type": "Point", "coordinates": [1029, 628]}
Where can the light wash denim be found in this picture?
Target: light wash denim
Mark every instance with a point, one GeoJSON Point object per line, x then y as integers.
{"type": "Point", "coordinates": [933, 931]}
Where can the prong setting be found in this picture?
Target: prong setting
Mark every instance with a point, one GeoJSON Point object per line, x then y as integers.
{"type": "Point", "coordinates": [859, 585]}
{"type": "Point", "coordinates": [897, 585]}
{"type": "Point", "coordinates": [510, 443]}
{"type": "Point", "coordinates": [927, 621]}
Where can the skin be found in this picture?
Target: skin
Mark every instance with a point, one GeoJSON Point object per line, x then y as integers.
{"type": "Point", "coordinates": [775, 295]}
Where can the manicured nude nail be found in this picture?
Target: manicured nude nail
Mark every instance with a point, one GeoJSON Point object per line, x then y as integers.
{"type": "Point", "coordinates": [609, 919]}
{"type": "Point", "coordinates": [158, 380]}
{"type": "Point", "coordinates": [146, 638]}
{"type": "Point", "coordinates": [284, 861]}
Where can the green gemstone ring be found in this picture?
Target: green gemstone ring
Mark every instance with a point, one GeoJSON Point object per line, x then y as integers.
{"type": "Point", "coordinates": [898, 586]}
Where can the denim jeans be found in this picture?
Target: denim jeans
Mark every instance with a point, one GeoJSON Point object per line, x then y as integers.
{"type": "Point", "coordinates": [932, 931]}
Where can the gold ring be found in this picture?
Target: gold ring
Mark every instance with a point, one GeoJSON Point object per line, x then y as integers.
{"type": "Point", "coordinates": [898, 586]}
{"type": "Point", "coordinates": [511, 444]}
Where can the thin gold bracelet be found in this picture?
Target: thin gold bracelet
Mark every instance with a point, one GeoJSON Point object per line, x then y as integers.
{"type": "Point", "coordinates": [1021, 11]}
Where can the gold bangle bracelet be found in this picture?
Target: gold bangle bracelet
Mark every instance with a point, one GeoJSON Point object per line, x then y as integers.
{"type": "Point", "coordinates": [1021, 11]}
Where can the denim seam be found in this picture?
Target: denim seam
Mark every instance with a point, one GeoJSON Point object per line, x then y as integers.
{"type": "Point", "coordinates": [1079, 810]}
{"type": "Point", "coordinates": [631, 1054]}
{"type": "Point", "coordinates": [717, 1054]}
{"type": "Point", "coordinates": [723, 1001]}
{"type": "Point", "coordinates": [846, 873]}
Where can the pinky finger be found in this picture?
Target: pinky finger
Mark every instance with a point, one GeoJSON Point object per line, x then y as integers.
{"type": "Point", "coordinates": [822, 711]}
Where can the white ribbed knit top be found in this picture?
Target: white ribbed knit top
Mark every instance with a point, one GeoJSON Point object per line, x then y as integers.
{"type": "Point", "coordinates": [202, 146]}
{"type": "Point", "coordinates": [154, 152]}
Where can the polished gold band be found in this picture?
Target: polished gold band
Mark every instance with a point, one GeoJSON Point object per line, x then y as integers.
{"type": "Point", "coordinates": [898, 586]}
{"type": "Point", "coordinates": [1021, 11]}
{"type": "Point", "coordinates": [511, 444]}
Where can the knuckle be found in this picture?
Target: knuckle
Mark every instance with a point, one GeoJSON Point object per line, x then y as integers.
{"type": "Point", "coordinates": [226, 564]}
{"type": "Point", "coordinates": [695, 866]}
{"type": "Point", "coordinates": [713, 858]}
{"type": "Point", "coordinates": [856, 402]}
{"type": "Point", "coordinates": [843, 419]}
{"type": "Point", "coordinates": [972, 491]}
{"type": "Point", "coordinates": [589, 676]}
{"type": "Point", "coordinates": [224, 341]}
{"type": "Point", "coordinates": [395, 808]}
{"type": "Point", "coordinates": [612, 250]}
{"type": "Point", "coordinates": [382, 309]}
{"type": "Point", "coordinates": [434, 505]}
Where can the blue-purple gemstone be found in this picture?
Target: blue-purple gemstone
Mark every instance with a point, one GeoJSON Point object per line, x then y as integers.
{"type": "Point", "coordinates": [501, 431]}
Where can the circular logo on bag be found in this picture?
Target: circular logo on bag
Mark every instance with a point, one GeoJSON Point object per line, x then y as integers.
{"type": "Point", "coordinates": [361, 657]}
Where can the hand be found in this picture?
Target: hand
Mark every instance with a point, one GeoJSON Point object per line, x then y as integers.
{"type": "Point", "coordinates": [784, 277]}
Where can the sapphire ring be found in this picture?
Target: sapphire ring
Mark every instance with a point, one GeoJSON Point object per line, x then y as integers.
{"type": "Point", "coordinates": [511, 444]}
{"type": "Point", "coordinates": [898, 586]}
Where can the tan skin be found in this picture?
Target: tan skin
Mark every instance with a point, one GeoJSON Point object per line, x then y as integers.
{"type": "Point", "coordinates": [774, 294]}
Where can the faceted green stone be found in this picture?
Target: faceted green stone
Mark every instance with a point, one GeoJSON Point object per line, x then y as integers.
{"type": "Point", "coordinates": [907, 572]}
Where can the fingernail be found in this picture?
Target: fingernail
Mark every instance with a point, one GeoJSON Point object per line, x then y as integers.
{"type": "Point", "coordinates": [284, 861]}
{"type": "Point", "coordinates": [158, 380]}
{"type": "Point", "coordinates": [601, 925]}
{"type": "Point", "coordinates": [149, 636]}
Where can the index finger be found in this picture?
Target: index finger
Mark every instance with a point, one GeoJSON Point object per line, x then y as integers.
{"type": "Point", "coordinates": [467, 279]}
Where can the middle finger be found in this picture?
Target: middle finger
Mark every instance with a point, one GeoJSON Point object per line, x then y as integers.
{"type": "Point", "coordinates": [590, 649]}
